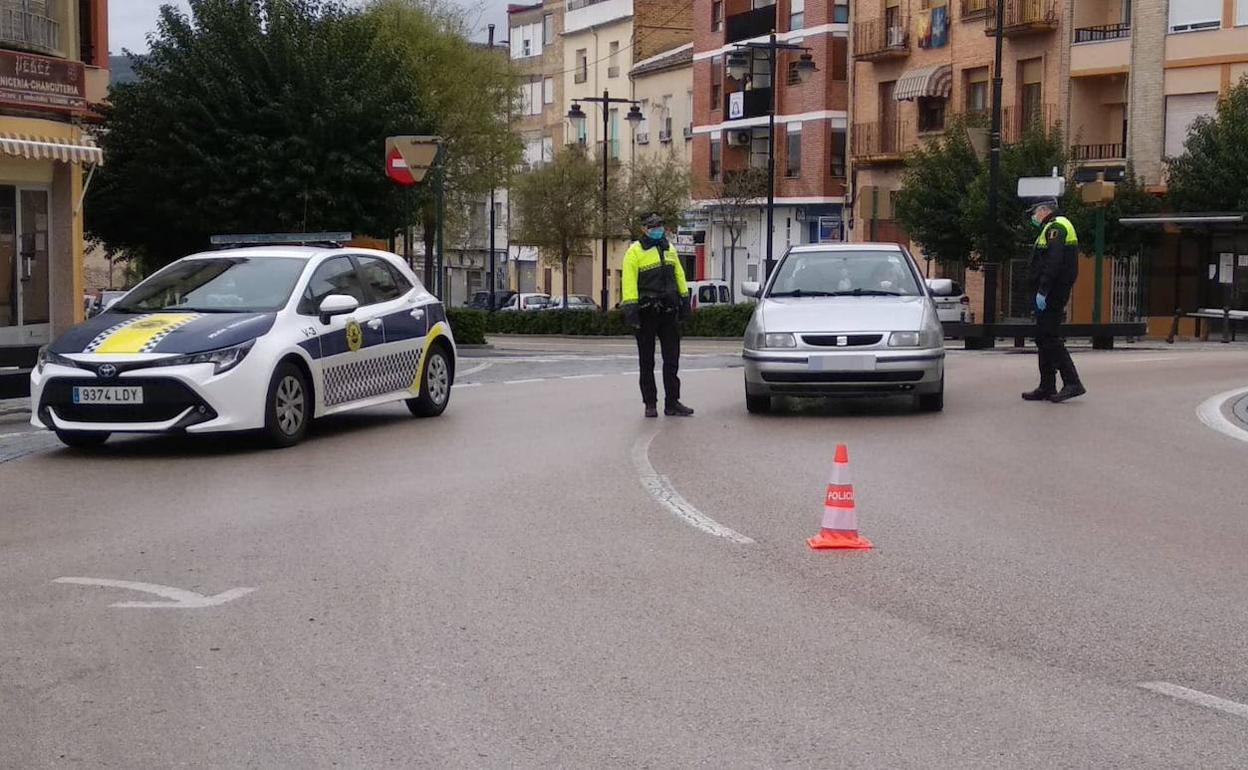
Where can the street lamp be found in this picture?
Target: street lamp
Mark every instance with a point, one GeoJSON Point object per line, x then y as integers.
{"type": "Point", "coordinates": [739, 63]}
{"type": "Point", "coordinates": [578, 117]}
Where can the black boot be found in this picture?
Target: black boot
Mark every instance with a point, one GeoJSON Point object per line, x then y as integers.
{"type": "Point", "coordinates": [1069, 391]}
{"type": "Point", "coordinates": [677, 409]}
{"type": "Point", "coordinates": [1039, 394]}
{"type": "Point", "coordinates": [652, 410]}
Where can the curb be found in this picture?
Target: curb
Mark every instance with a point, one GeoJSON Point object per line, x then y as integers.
{"type": "Point", "coordinates": [1240, 411]}
{"type": "Point", "coordinates": [14, 406]}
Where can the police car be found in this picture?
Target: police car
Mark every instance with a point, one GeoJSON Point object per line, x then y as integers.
{"type": "Point", "coordinates": [263, 338]}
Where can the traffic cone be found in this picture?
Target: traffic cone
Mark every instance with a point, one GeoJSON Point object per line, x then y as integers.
{"type": "Point", "coordinates": [840, 519]}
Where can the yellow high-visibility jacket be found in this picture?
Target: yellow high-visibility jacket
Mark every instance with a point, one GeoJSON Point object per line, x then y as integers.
{"type": "Point", "coordinates": [651, 278]}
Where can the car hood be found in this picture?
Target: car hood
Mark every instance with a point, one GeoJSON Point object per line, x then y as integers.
{"type": "Point", "coordinates": [127, 333]}
{"type": "Point", "coordinates": [843, 314]}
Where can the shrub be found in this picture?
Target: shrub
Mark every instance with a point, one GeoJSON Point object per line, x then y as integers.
{"type": "Point", "coordinates": [721, 321]}
{"type": "Point", "coordinates": [468, 326]}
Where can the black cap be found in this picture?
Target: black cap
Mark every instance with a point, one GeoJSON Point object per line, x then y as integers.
{"type": "Point", "coordinates": [1048, 203]}
{"type": "Point", "coordinates": [652, 220]}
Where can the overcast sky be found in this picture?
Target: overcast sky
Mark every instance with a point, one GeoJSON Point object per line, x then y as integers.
{"type": "Point", "coordinates": [130, 21]}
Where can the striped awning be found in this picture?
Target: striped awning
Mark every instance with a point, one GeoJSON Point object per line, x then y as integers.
{"type": "Point", "coordinates": [936, 81]}
{"type": "Point", "coordinates": [43, 148]}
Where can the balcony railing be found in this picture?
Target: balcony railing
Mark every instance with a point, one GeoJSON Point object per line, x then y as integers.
{"type": "Point", "coordinates": [754, 23]}
{"type": "Point", "coordinates": [974, 9]}
{"type": "Point", "coordinates": [882, 141]}
{"type": "Point", "coordinates": [1090, 152]}
{"type": "Point", "coordinates": [882, 39]}
{"type": "Point", "coordinates": [1016, 121]}
{"type": "Point", "coordinates": [1102, 33]}
{"type": "Point", "coordinates": [757, 103]}
{"type": "Point", "coordinates": [28, 30]}
{"type": "Point", "coordinates": [1023, 17]}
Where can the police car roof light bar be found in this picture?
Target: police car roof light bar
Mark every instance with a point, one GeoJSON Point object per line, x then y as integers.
{"type": "Point", "coordinates": [281, 239]}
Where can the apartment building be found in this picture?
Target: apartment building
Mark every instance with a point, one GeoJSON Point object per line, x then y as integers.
{"type": "Point", "coordinates": [730, 132]}
{"type": "Point", "coordinates": [53, 68]}
{"type": "Point", "coordinates": [663, 88]}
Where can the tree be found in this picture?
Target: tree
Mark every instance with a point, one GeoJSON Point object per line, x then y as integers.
{"type": "Point", "coordinates": [736, 195]}
{"type": "Point", "coordinates": [557, 207]}
{"type": "Point", "coordinates": [1130, 199]}
{"type": "Point", "coordinates": [936, 181]}
{"type": "Point", "coordinates": [471, 93]}
{"type": "Point", "coordinates": [252, 116]}
{"type": "Point", "coordinates": [659, 185]}
{"type": "Point", "coordinates": [1212, 172]}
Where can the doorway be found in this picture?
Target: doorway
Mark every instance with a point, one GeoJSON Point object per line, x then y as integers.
{"type": "Point", "coordinates": [25, 266]}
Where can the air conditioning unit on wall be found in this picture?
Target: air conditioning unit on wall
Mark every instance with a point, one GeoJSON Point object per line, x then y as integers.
{"type": "Point", "coordinates": [739, 138]}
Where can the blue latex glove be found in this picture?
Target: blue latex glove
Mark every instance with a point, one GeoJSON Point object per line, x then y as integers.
{"type": "Point", "coordinates": [1041, 302]}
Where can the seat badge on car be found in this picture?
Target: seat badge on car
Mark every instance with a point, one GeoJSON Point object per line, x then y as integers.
{"type": "Point", "coordinates": [842, 341]}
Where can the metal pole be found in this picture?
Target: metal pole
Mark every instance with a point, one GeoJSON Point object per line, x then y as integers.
{"type": "Point", "coordinates": [1100, 264]}
{"type": "Point", "coordinates": [994, 180]}
{"type": "Point", "coordinates": [875, 213]}
{"type": "Point", "coordinates": [606, 150]}
{"type": "Point", "coordinates": [439, 289]}
{"type": "Point", "coordinates": [493, 266]}
{"type": "Point", "coordinates": [771, 156]}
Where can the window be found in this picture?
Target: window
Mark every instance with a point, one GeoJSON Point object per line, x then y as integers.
{"type": "Point", "coordinates": [548, 29]}
{"type": "Point", "coordinates": [838, 154]}
{"type": "Point", "coordinates": [840, 13]}
{"type": "Point", "coordinates": [582, 65]}
{"type": "Point", "coordinates": [1190, 15]}
{"type": "Point", "coordinates": [715, 160]}
{"type": "Point", "coordinates": [533, 152]}
{"type": "Point", "coordinates": [531, 98]}
{"type": "Point", "coordinates": [548, 91]}
{"type": "Point", "coordinates": [614, 121]}
{"type": "Point", "coordinates": [219, 283]}
{"type": "Point", "coordinates": [644, 126]}
{"type": "Point", "coordinates": [379, 279]}
{"type": "Point", "coordinates": [931, 114]}
{"type": "Point", "coordinates": [717, 83]}
{"type": "Point", "coordinates": [977, 90]}
{"type": "Point", "coordinates": [724, 295]}
{"type": "Point", "coordinates": [1181, 112]}
{"type": "Point", "coordinates": [797, 14]}
{"type": "Point", "coordinates": [613, 59]}
{"type": "Point", "coordinates": [335, 276]}
{"type": "Point", "coordinates": [717, 16]}
{"type": "Point", "coordinates": [707, 295]}
{"type": "Point", "coordinates": [548, 149]}
{"type": "Point", "coordinates": [1241, 13]}
{"type": "Point", "coordinates": [758, 148]}
{"type": "Point", "coordinates": [840, 59]}
{"type": "Point", "coordinates": [876, 272]}
{"type": "Point", "coordinates": [1031, 95]}
{"type": "Point", "coordinates": [761, 71]}
{"type": "Point", "coordinates": [667, 115]}
{"type": "Point", "coordinates": [793, 150]}
{"type": "Point", "coordinates": [689, 114]}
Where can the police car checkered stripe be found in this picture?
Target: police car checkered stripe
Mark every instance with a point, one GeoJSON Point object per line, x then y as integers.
{"type": "Point", "coordinates": [151, 344]}
{"type": "Point", "coordinates": [358, 380]}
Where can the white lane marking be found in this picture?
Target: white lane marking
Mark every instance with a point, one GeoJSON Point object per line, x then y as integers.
{"type": "Point", "coordinates": [1210, 413]}
{"type": "Point", "coordinates": [459, 385]}
{"type": "Point", "coordinates": [707, 369]}
{"type": "Point", "coordinates": [23, 433]}
{"type": "Point", "coordinates": [582, 376]}
{"type": "Point", "coordinates": [523, 382]}
{"type": "Point", "coordinates": [1197, 697]}
{"type": "Point", "coordinates": [1145, 360]}
{"type": "Point", "coordinates": [661, 489]}
{"type": "Point", "coordinates": [475, 369]}
{"type": "Point", "coordinates": [179, 598]}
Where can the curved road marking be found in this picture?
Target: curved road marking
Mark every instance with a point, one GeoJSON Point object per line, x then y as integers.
{"type": "Point", "coordinates": [1197, 697]}
{"type": "Point", "coordinates": [475, 369]}
{"type": "Point", "coordinates": [661, 489]}
{"type": "Point", "coordinates": [178, 598]}
{"type": "Point", "coordinates": [1210, 413]}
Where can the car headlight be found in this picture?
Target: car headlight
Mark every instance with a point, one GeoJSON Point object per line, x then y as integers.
{"type": "Point", "coordinates": [48, 357]}
{"type": "Point", "coordinates": [924, 339]}
{"type": "Point", "coordinates": [779, 340]}
{"type": "Point", "coordinates": [222, 360]}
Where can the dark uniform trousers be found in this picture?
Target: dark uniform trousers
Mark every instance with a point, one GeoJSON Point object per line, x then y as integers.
{"type": "Point", "coordinates": [1053, 355]}
{"type": "Point", "coordinates": [663, 325]}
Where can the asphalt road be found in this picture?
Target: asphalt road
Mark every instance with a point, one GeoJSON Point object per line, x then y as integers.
{"type": "Point", "coordinates": [499, 588]}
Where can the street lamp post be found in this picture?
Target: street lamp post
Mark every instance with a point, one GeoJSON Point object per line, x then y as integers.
{"type": "Point", "coordinates": [740, 65]}
{"type": "Point", "coordinates": [578, 117]}
{"type": "Point", "coordinates": [994, 182]}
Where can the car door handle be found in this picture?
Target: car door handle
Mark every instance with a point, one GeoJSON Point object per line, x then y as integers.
{"type": "Point", "coordinates": [418, 313]}
{"type": "Point", "coordinates": [374, 324]}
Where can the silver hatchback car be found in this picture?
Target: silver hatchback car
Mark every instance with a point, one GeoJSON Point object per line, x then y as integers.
{"type": "Point", "coordinates": [838, 320]}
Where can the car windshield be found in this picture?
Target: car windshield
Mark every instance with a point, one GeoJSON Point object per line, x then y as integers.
{"type": "Point", "coordinates": [217, 285]}
{"type": "Point", "coordinates": [845, 273]}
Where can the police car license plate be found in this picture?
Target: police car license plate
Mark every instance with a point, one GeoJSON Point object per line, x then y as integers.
{"type": "Point", "coordinates": [842, 363]}
{"type": "Point", "coordinates": [108, 396]}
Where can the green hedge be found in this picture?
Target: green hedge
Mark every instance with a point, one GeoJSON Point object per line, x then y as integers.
{"type": "Point", "coordinates": [471, 326]}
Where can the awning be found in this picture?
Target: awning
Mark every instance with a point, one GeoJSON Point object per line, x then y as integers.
{"type": "Point", "coordinates": [936, 81]}
{"type": "Point", "coordinates": [42, 148]}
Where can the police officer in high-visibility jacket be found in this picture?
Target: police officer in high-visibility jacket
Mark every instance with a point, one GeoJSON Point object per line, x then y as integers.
{"type": "Point", "coordinates": [1054, 268]}
{"type": "Point", "coordinates": [655, 300]}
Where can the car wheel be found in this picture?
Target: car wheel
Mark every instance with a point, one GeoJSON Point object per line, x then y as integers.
{"type": "Point", "coordinates": [435, 386]}
{"type": "Point", "coordinates": [80, 439]}
{"type": "Point", "coordinates": [288, 410]}
{"type": "Point", "coordinates": [933, 402]}
{"type": "Point", "coordinates": [757, 404]}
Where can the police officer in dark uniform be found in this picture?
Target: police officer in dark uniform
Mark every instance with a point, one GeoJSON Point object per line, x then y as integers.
{"type": "Point", "coordinates": [655, 299]}
{"type": "Point", "coordinates": [1054, 268]}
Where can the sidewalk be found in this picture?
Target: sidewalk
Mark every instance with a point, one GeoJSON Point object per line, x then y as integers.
{"type": "Point", "coordinates": [14, 408]}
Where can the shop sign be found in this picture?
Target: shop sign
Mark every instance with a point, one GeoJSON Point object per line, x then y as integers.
{"type": "Point", "coordinates": [27, 80]}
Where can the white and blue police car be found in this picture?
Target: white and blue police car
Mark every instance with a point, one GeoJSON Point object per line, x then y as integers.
{"type": "Point", "coordinates": [252, 338]}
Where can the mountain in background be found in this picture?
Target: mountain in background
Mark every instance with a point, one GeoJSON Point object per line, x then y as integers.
{"type": "Point", "coordinates": [120, 70]}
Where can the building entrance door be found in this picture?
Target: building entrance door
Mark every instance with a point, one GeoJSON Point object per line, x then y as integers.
{"type": "Point", "coordinates": [25, 267]}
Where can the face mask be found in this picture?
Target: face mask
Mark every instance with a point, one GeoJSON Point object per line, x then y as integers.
{"type": "Point", "coordinates": [1035, 219]}
{"type": "Point", "coordinates": [656, 233]}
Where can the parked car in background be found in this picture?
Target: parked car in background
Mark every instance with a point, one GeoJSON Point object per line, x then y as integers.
{"type": "Point", "coordinates": [526, 302]}
{"type": "Point", "coordinates": [101, 302]}
{"type": "Point", "coordinates": [709, 293]}
{"type": "Point", "coordinates": [481, 300]}
{"type": "Point", "coordinates": [575, 302]}
{"type": "Point", "coordinates": [952, 304]}
{"type": "Point", "coordinates": [843, 320]}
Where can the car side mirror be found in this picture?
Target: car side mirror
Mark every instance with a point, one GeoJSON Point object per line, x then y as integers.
{"type": "Point", "coordinates": [751, 289]}
{"type": "Point", "coordinates": [110, 303]}
{"type": "Point", "coordinates": [940, 287]}
{"type": "Point", "coordinates": [337, 304]}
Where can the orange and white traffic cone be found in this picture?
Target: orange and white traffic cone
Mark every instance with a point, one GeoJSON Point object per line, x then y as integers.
{"type": "Point", "coordinates": [840, 519]}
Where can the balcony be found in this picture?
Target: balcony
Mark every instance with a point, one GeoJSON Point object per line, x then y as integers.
{"type": "Point", "coordinates": [881, 39]}
{"type": "Point", "coordinates": [1016, 121]}
{"type": "Point", "coordinates": [1023, 17]}
{"type": "Point", "coordinates": [1103, 33]}
{"type": "Point", "coordinates": [27, 30]}
{"type": "Point", "coordinates": [755, 23]}
{"type": "Point", "coordinates": [973, 9]}
{"type": "Point", "coordinates": [1089, 153]}
{"type": "Point", "coordinates": [885, 141]}
{"type": "Point", "coordinates": [753, 103]}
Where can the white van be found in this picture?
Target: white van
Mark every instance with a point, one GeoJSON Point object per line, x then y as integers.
{"type": "Point", "coordinates": [709, 293]}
